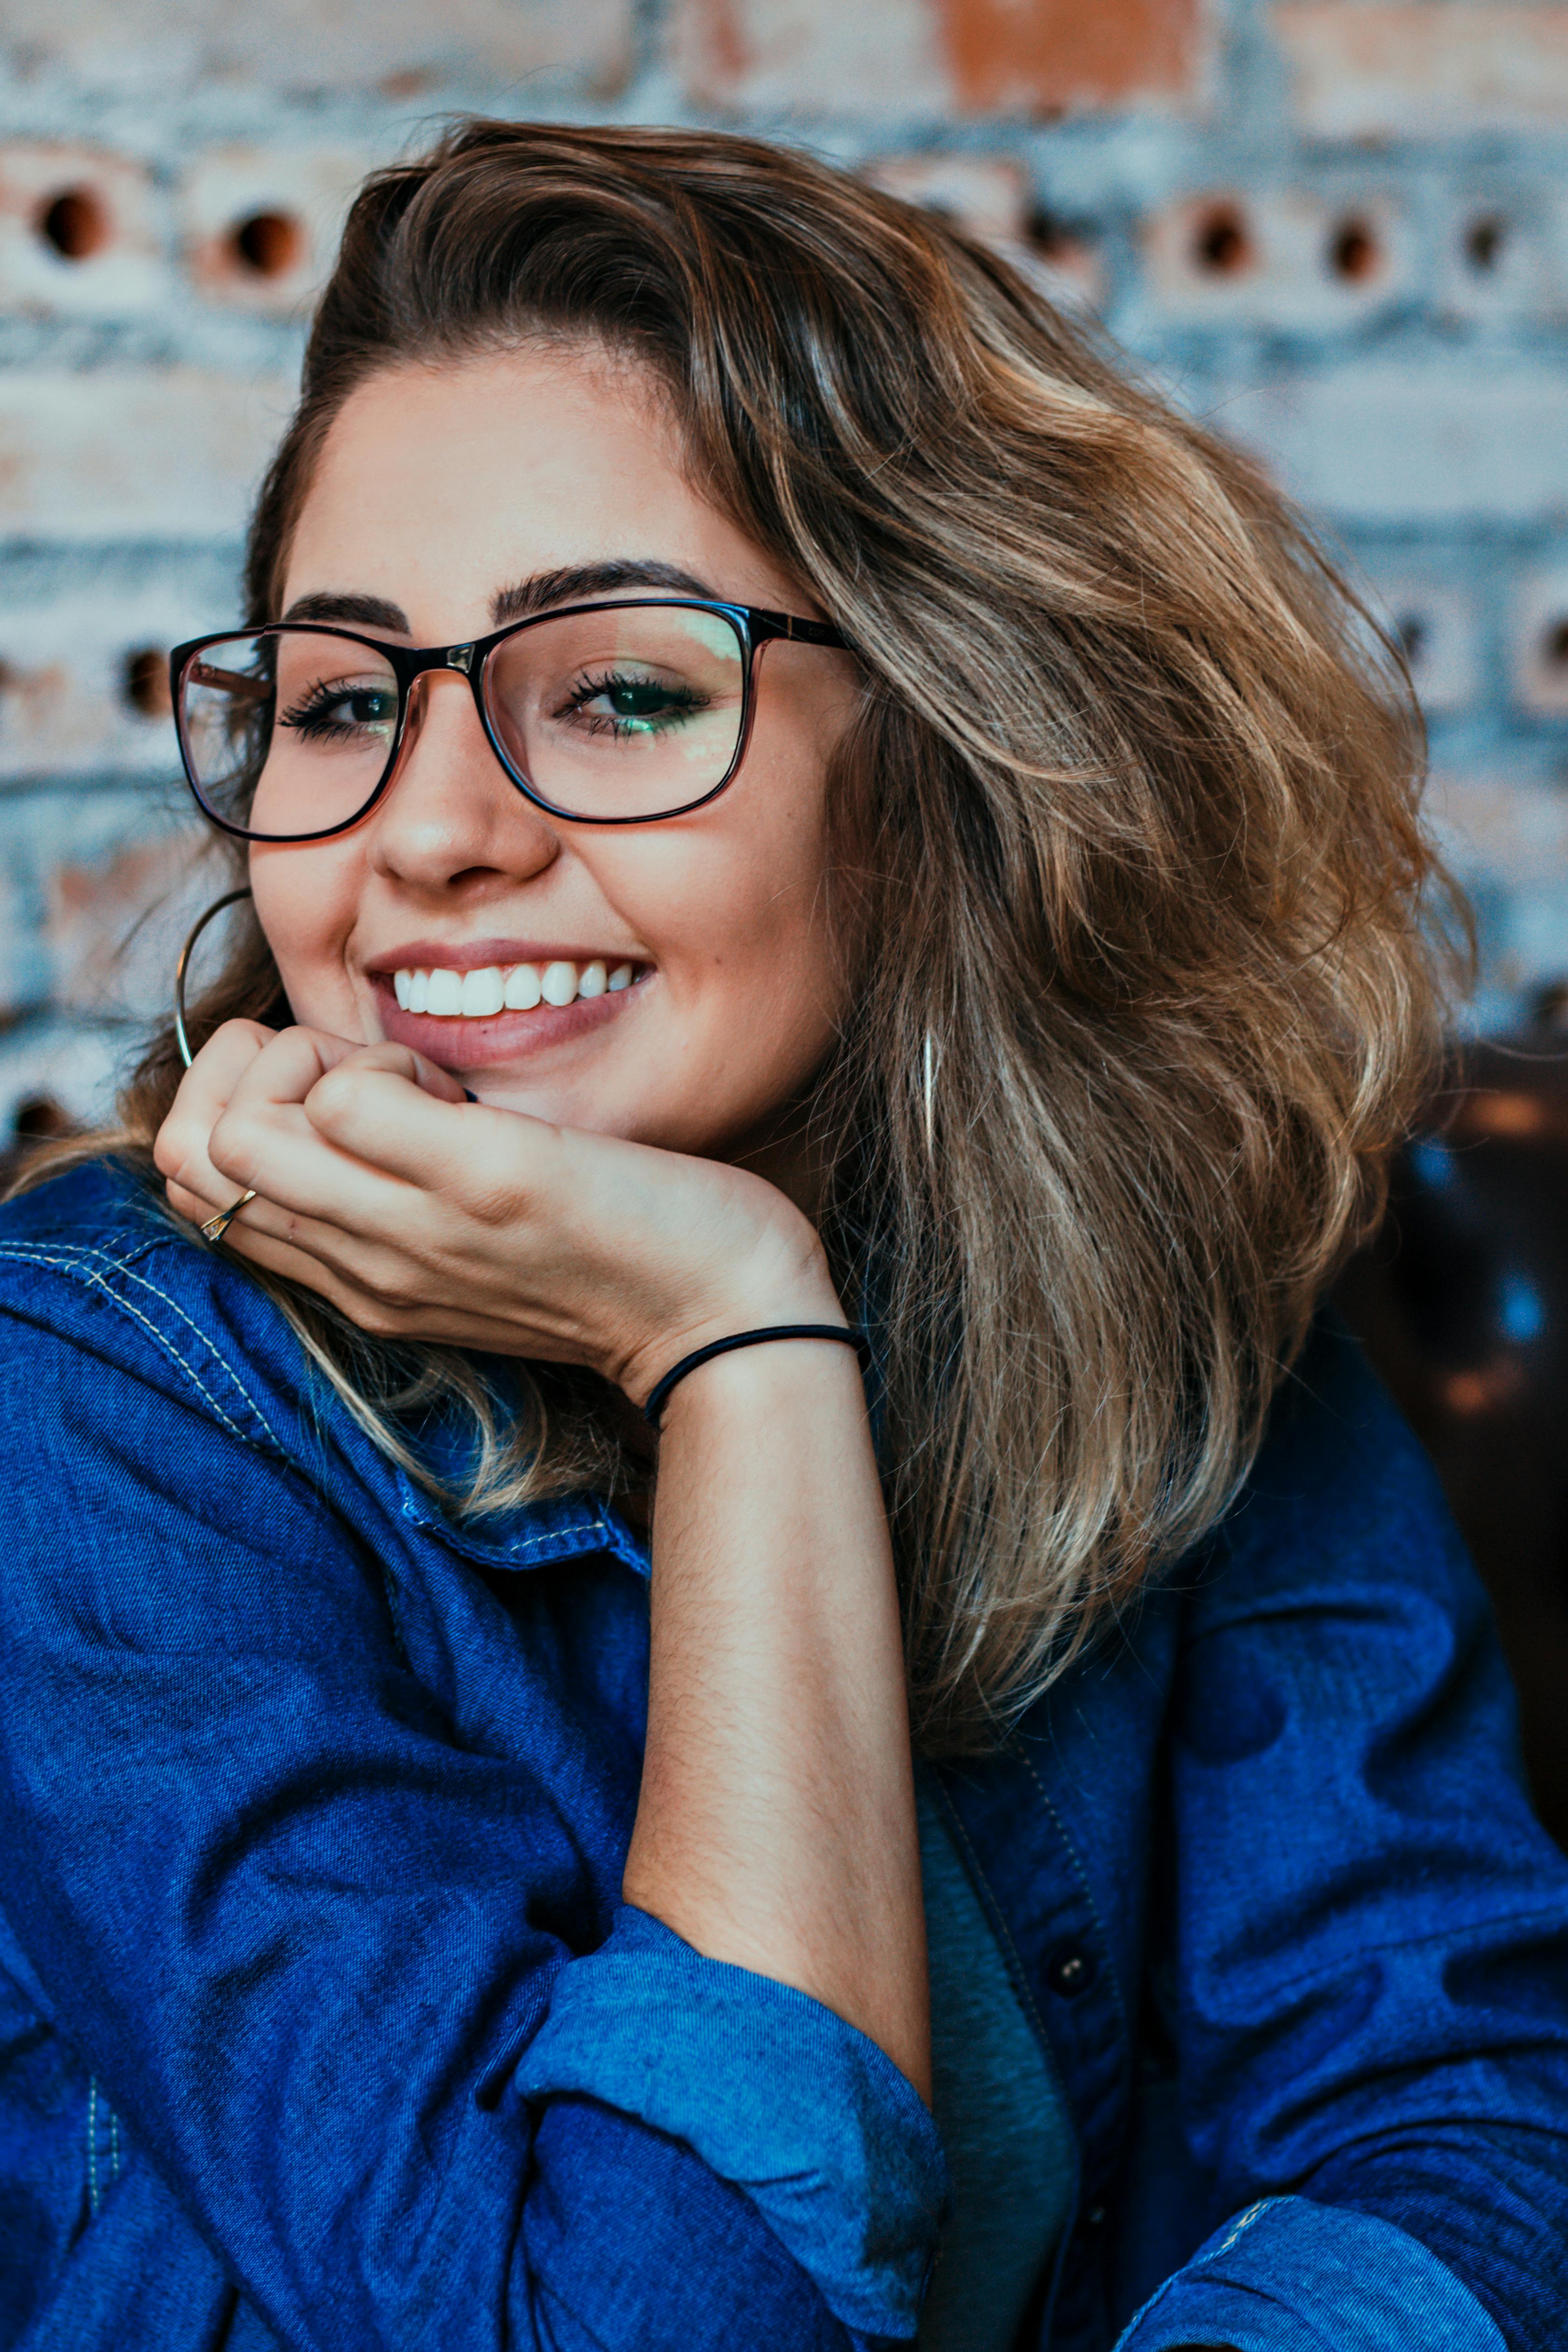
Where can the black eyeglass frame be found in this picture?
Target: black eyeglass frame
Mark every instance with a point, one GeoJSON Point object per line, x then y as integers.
{"type": "Point", "coordinates": [754, 627]}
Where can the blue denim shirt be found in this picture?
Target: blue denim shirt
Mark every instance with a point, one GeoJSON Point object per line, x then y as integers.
{"type": "Point", "coordinates": [323, 2022]}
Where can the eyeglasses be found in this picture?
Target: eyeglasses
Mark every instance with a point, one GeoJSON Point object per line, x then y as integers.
{"type": "Point", "coordinates": [606, 714]}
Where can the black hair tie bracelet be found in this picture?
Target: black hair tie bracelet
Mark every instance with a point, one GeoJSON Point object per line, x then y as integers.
{"type": "Point", "coordinates": [849, 1333]}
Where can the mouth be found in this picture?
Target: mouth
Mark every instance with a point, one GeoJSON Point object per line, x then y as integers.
{"type": "Point", "coordinates": [470, 1016]}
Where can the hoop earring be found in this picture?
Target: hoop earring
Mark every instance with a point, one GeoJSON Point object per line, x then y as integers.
{"type": "Point", "coordinates": [930, 1062]}
{"type": "Point", "coordinates": [181, 1039]}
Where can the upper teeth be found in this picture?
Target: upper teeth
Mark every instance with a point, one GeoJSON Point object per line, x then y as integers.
{"type": "Point", "coordinates": [512, 988]}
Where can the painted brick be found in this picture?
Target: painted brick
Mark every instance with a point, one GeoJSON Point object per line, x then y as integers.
{"type": "Point", "coordinates": [1506, 839]}
{"type": "Point", "coordinates": [1288, 257]}
{"type": "Point", "coordinates": [138, 453]}
{"type": "Point", "coordinates": [992, 196]}
{"type": "Point", "coordinates": [401, 48]}
{"type": "Point", "coordinates": [260, 226]}
{"type": "Point", "coordinates": [1501, 257]}
{"type": "Point", "coordinates": [1538, 662]}
{"type": "Point", "coordinates": [1361, 69]}
{"type": "Point", "coordinates": [1377, 441]}
{"type": "Point", "coordinates": [912, 57]}
{"type": "Point", "coordinates": [1437, 625]}
{"type": "Point", "coordinates": [116, 908]}
{"type": "Point", "coordinates": [80, 232]}
{"type": "Point", "coordinates": [75, 1065]}
{"type": "Point", "coordinates": [81, 683]}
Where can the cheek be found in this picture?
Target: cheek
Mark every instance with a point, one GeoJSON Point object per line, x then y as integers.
{"type": "Point", "coordinates": [752, 961]}
{"type": "Point", "coordinates": [306, 907]}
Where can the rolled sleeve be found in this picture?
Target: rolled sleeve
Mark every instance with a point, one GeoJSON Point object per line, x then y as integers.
{"type": "Point", "coordinates": [775, 2093]}
{"type": "Point", "coordinates": [1290, 2275]}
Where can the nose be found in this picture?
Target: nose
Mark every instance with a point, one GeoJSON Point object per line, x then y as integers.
{"type": "Point", "coordinates": [451, 817]}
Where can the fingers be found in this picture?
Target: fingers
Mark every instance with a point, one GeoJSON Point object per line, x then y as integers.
{"type": "Point", "coordinates": [180, 1148]}
{"type": "Point", "coordinates": [342, 1139]}
{"type": "Point", "coordinates": [368, 1108]}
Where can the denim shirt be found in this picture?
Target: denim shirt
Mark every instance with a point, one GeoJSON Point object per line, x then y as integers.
{"type": "Point", "coordinates": [323, 2022]}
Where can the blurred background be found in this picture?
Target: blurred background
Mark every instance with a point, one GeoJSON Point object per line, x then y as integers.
{"type": "Point", "coordinates": [1335, 229]}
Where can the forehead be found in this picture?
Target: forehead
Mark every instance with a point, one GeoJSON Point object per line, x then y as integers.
{"type": "Point", "coordinates": [446, 482]}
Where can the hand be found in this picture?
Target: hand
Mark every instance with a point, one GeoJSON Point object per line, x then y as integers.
{"type": "Point", "coordinates": [423, 1216]}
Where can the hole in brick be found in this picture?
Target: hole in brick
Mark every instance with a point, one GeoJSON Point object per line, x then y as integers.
{"type": "Point", "coordinates": [1411, 630]}
{"type": "Point", "coordinates": [146, 681]}
{"type": "Point", "coordinates": [1220, 242]}
{"type": "Point", "coordinates": [1050, 238]}
{"type": "Point", "coordinates": [40, 1119]}
{"type": "Point", "coordinates": [1353, 251]}
{"type": "Point", "coordinates": [1555, 644]}
{"type": "Point", "coordinates": [268, 244]}
{"type": "Point", "coordinates": [1484, 242]}
{"type": "Point", "coordinates": [75, 222]}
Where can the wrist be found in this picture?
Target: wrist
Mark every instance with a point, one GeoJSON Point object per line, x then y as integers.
{"type": "Point", "coordinates": [766, 1335]}
{"type": "Point", "coordinates": [812, 1300]}
{"type": "Point", "coordinates": [763, 1384]}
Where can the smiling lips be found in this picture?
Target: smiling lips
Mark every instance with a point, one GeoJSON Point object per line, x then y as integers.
{"type": "Point", "coordinates": [480, 995]}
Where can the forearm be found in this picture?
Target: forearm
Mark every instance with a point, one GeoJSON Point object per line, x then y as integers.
{"type": "Point", "coordinates": [776, 1825]}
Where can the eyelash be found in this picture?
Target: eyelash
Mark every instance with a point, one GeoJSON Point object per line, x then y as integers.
{"type": "Point", "coordinates": [309, 707]}
{"type": "Point", "coordinates": [684, 701]}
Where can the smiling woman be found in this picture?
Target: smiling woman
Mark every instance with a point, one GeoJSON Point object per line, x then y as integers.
{"type": "Point", "coordinates": [839, 931]}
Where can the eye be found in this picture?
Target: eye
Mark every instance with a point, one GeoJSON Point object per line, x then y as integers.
{"type": "Point", "coordinates": [335, 710]}
{"type": "Point", "coordinates": [622, 706]}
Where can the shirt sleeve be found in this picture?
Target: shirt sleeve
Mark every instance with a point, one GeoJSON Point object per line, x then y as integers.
{"type": "Point", "coordinates": [1368, 1988]}
{"type": "Point", "coordinates": [310, 1946]}
{"type": "Point", "coordinates": [1288, 2275]}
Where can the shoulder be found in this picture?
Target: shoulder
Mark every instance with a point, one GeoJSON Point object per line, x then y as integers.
{"type": "Point", "coordinates": [90, 1262]}
{"type": "Point", "coordinates": [1340, 1481]}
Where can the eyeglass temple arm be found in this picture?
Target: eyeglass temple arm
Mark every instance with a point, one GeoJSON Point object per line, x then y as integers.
{"type": "Point", "coordinates": [767, 625]}
{"type": "Point", "coordinates": [204, 673]}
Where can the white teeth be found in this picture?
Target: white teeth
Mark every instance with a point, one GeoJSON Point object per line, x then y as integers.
{"type": "Point", "coordinates": [518, 988]}
{"type": "Point", "coordinates": [483, 993]}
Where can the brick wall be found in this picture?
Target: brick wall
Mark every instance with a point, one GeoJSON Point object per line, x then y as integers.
{"type": "Point", "coordinates": [1336, 229]}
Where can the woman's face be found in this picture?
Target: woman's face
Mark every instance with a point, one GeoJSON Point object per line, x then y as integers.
{"type": "Point", "coordinates": [441, 493]}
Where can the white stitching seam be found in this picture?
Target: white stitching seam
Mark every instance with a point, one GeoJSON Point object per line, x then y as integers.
{"type": "Point", "coordinates": [73, 1263]}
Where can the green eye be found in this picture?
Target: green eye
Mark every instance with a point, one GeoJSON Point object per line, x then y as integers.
{"type": "Point", "coordinates": [629, 701]}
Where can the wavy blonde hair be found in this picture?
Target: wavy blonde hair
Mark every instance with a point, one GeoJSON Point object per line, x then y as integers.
{"type": "Point", "coordinates": [1127, 856]}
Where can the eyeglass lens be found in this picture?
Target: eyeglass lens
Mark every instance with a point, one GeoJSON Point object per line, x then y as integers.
{"type": "Point", "coordinates": [629, 711]}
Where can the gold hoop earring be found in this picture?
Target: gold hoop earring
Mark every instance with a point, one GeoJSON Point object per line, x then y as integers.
{"type": "Point", "coordinates": [181, 1039]}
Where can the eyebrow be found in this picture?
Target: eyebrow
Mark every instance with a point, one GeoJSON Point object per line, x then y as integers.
{"type": "Point", "coordinates": [541, 592]}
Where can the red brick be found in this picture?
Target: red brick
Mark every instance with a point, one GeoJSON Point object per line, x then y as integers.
{"type": "Point", "coordinates": [1045, 57]}
{"type": "Point", "coordinates": [1035, 58]}
{"type": "Point", "coordinates": [1363, 68]}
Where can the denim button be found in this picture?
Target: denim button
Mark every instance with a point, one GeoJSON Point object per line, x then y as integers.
{"type": "Point", "coordinates": [1069, 1971]}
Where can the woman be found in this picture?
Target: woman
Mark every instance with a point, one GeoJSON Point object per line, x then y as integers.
{"type": "Point", "coordinates": [779, 795]}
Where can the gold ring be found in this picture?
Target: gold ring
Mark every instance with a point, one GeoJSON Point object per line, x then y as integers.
{"type": "Point", "coordinates": [216, 1228]}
